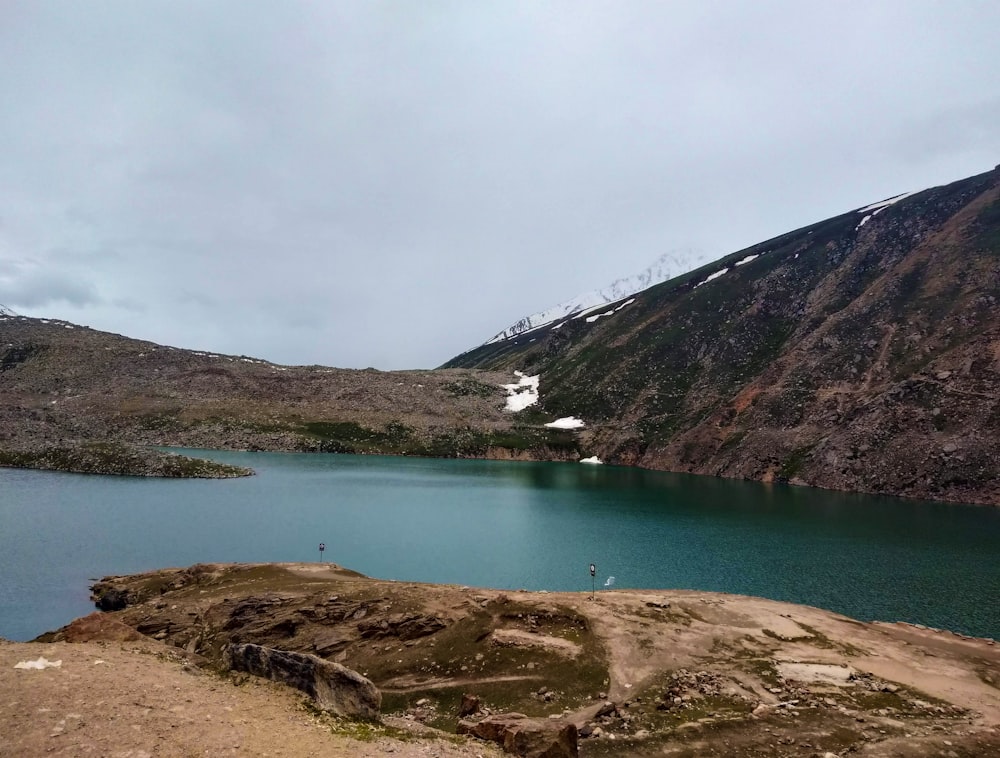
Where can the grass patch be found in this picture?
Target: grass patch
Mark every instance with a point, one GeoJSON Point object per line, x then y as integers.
{"type": "Point", "coordinates": [465, 658]}
{"type": "Point", "coordinates": [794, 463]}
{"type": "Point", "coordinates": [464, 442]}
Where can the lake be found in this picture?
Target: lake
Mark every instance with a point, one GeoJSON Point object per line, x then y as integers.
{"type": "Point", "coordinates": [504, 525]}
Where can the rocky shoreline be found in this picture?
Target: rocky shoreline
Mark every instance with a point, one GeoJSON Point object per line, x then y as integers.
{"type": "Point", "coordinates": [114, 459]}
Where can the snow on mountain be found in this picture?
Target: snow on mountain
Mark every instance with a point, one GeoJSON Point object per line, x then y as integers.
{"type": "Point", "coordinates": [881, 205]}
{"type": "Point", "coordinates": [667, 266]}
{"type": "Point", "coordinates": [522, 393]}
{"type": "Point", "coordinates": [5, 311]}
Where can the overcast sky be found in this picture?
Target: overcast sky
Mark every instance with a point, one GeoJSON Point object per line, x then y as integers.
{"type": "Point", "coordinates": [390, 183]}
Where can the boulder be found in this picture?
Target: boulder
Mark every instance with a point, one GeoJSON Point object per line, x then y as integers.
{"type": "Point", "coordinates": [335, 688]}
{"type": "Point", "coordinates": [97, 627]}
{"type": "Point", "coordinates": [525, 737]}
{"type": "Point", "coordinates": [112, 600]}
{"type": "Point", "coordinates": [405, 626]}
{"type": "Point", "coordinates": [470, 704]}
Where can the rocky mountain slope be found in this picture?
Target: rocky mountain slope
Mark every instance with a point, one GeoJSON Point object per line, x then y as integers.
{"type": "Point", "coordinates": [627, 672]}
{"type": "Point", "coordinates": [65, 387]}
{"type": "Point", "coordinates": [859, 353]}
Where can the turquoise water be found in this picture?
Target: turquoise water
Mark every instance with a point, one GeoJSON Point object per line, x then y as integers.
{"type": "Point", "coordinates": [506, 525]}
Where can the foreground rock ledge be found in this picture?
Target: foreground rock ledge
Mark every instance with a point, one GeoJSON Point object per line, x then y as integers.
{"type": "Point", "coordinates": [637, 673]}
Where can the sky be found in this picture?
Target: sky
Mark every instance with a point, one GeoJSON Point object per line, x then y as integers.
{"type": "Point", "coordinates": [389, 184]}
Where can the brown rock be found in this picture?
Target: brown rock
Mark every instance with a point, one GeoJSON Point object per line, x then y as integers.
{"type": "Point", "coordinates": [470, 704]}
{"type": "Point", "coordinates": [332, 641]}
{"type": "Point", "coordinates": [97, 627]}
{"type": "Point", "coordinates": [525, 737]}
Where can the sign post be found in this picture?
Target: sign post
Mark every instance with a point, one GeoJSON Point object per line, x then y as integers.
{"type": "Point", "coordinates": [322, 547]}
{"type": "Point", "coordinates": [593, 584]}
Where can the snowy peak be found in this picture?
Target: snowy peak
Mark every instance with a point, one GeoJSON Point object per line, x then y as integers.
{"type": "Point", "coordinates": [667, 266]}
{"type": "Point", "coordinates": [5, 311]}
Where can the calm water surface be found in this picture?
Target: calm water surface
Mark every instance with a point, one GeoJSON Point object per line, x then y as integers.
{"type": "Point", "coordinates": [506, 525]}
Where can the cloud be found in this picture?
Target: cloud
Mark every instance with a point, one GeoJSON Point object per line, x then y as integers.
{"type": "Point", "coordinates": [390, 184]}
{"type": "Point", "coordinates": [29, 287]}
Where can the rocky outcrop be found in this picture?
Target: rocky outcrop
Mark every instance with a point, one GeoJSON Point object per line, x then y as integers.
{"type": "Point", "coordinates": [658, 671]}
{"type": "Point", "coordinates": [335, 688]}
{"type": "Point", "coordinates": [112, 600]}
{"type": "Point", "coordinates": [470, 704]}
{"type": "Point", "coordinates": [525, 737]}
{"type": "Point", "coordinates": [405, 626]}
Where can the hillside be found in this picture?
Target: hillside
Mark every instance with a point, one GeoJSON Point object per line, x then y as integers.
{"type": "Point", "coordinates": [67, 387]}
{"type": "Point", "coordinates": [859, 353]}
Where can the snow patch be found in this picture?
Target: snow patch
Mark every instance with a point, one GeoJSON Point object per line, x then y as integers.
{"type": "Point", "coordinates": [612, 312]}
{"type": "Point", "coordinates": [865, 220]}
{"type": "Point", "coordinates": [592, 460]}
{"type": "Point", "coordinates": [585, 311]}
{"type": "Point", "coordinates": [523, 393]}
{"type": "Point", "coordinates": [592, 319]}
{"type": "Point", "coordinates": [710, 277]}
{"type": "Point", "coordinates": [748, 259]}
{"type": "Point", "coordinates": [883, 204]}
{"type": "Point", "coordinates": [569, 422]}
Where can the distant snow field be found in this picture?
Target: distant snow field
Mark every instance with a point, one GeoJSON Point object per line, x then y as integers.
{"type": "Point", "coordinates": [666, 267]}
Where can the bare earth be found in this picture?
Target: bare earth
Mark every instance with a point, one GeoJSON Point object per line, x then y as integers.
{"type": "Point", "coordinates": [687, 673]}
{"type": "Point", "coordinates": [137, 700]}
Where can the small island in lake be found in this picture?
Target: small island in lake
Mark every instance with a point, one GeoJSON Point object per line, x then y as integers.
{"type": "Point", "coordinates": [117, 459]}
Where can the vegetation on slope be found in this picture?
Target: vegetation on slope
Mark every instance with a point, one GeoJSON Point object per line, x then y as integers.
{"type": "Point", "coordinates": [118, 460]}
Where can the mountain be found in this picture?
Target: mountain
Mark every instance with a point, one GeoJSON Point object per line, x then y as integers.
{"type": "Point", "coordinates": [6, 312]}
{"type": "Point", "coordinates": [666, 267]}
{"type": "Point", "coordinates": [859, 353]}
{"type": "Point", "coordinates": [66, 390]}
